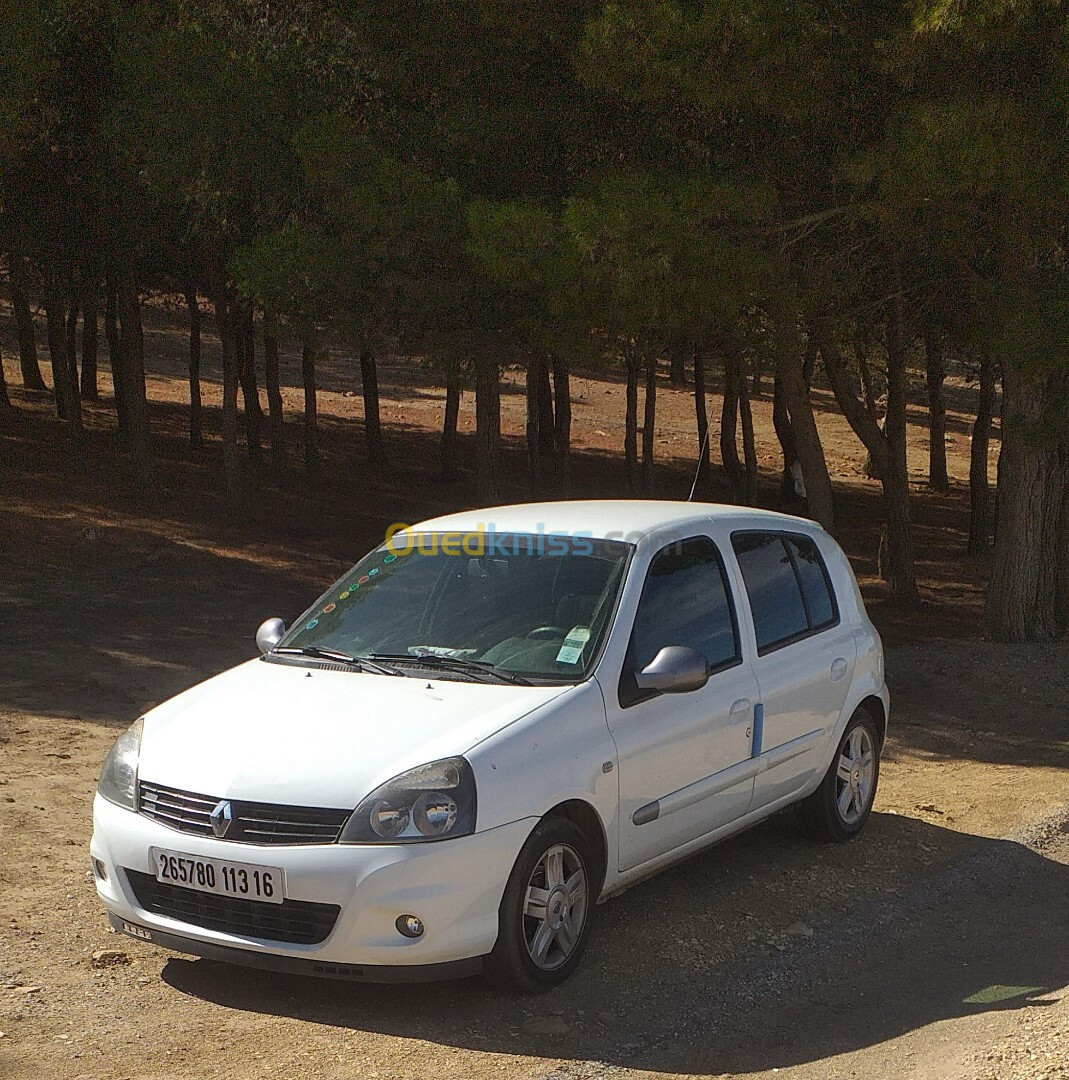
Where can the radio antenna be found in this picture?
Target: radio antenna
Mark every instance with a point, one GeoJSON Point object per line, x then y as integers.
{"type": "Point", "coordinates": [701, 461]}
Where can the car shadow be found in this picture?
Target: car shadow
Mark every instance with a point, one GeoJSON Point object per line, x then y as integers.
{"type": "Point", "coordinates": [840, 947]}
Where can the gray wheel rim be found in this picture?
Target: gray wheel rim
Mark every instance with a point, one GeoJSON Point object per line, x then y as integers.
{"type": "Point", "coordinates": [855, 776]}
{"type": "Point", "coordinates": [554, 907]}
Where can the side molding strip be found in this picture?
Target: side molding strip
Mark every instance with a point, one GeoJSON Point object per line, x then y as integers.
{"type": "Point", "coordinates": [746, 770]}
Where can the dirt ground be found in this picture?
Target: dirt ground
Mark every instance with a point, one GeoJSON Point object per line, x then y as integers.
{"type": "Point", "coordinates": [931, 947]}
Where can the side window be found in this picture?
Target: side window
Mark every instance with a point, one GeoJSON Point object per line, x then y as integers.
{"type": "Point", "coordinates": [787, 585]}
{"type": "Point", "coordinates": [772, 586]}
{"type": "Point", "coordinates": [685, 601]}
{"type": "Point", "coordinates": [816, 586]}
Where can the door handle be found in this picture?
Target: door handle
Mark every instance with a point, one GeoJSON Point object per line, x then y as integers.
{"type": "Point", "coordinates": [838, 668]}
{"type": "Point", "coordinates": [740, 706]}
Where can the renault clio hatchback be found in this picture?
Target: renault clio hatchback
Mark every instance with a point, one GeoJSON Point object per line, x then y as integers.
{"type": "Point", "coordinates": [493, 722]}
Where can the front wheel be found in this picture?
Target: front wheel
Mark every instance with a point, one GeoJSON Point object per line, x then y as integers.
{"type": "Point", "coordinates": [546, 910]}
{"type": "Point", "coordinates": [839, 808]}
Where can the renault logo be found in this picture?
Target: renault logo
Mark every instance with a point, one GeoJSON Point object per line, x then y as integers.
{"type": "Point", "coordinates": [221, 817]}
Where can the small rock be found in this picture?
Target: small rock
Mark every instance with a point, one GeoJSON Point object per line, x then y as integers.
{"type": "Point", "coordinates": [607, 1017]}
{"type": "Point", "coordinates": [107, 957]}
{"type": "Point", "coordinates": [799, 929]}
{"type": "Point", "coordinates": [27, 990]}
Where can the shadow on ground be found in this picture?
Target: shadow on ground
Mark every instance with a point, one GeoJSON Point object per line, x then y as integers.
{"type": "Point", "coordinates": [839, 948]}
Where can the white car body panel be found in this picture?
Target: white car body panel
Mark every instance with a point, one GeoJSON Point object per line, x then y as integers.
{"type": "Point", "coordinates": [302, 736]}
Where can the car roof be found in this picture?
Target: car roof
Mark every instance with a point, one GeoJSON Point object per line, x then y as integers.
{"type": "Point", "coordinates": [630, 519]}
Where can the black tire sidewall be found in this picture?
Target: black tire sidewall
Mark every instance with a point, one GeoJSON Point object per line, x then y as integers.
{"type": "Point", "coordinates": [845, 830]}
{"type": "Point", "coordinates": [509, 964]}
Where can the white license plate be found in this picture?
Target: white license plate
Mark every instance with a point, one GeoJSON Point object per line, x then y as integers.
{"type": "Point", "coordinates": [249, 881]}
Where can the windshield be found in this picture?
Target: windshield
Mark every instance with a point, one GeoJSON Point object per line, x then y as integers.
{"type": "Point", "coordinates": [530, 605]}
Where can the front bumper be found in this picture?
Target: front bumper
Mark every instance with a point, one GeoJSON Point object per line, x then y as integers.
{"type": "Point", "coordinates": [453, 886]}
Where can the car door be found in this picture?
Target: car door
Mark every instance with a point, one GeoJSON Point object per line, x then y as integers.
{"type": "Point", "coordinates": [804, 661]}
{"type": "Point", "coordinates": [683, 758]}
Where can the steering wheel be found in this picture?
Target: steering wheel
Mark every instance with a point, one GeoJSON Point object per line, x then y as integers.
{"type": "Point", "coordinates": [542, 632]}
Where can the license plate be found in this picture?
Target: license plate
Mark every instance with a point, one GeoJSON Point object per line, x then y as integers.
{"type": "Point", "coordinates": [222, 877]}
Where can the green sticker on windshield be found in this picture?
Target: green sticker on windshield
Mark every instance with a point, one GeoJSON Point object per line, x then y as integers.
{"type": "Point", "coordinates": [572, 649]}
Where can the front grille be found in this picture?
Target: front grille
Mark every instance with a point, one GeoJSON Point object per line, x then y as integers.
{"type": "Point", "coordinates": [253, 823]}
{"type": "Point", "coordinates": [297, 922]}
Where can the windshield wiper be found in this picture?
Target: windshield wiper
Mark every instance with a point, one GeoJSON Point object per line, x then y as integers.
{"type": "Point", "coordinates": [317, 652]}
{"type": "Point", "coordinates": [454, 663]}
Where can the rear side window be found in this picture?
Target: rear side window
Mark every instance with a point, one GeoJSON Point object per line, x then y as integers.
{"type": "Point", "coordinates": [787, 584]}
{"type": "Point", "coordinates": [816, 587]}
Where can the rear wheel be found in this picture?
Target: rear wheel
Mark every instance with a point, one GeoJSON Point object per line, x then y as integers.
{"type": "Point", "coordinates": [839, 808]}
{"type": "Point", "coordinates": [546, 911]}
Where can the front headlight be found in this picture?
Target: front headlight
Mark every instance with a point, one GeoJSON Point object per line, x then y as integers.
{"type": "Point", "coordinates": [118, 778]}
{"type": "Point", "coordinates": [433, 802]}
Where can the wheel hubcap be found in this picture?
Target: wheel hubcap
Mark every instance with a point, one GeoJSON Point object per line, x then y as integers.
{"type": "Point", "coordinates": [555, 904]}
{"type": "Point", "coordinates": [855, 776]}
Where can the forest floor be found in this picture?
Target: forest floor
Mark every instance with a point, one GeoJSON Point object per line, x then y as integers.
{"type": "Point", "coordinates": [933, 946]}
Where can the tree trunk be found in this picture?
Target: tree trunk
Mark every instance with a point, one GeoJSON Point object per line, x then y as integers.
{"type": "Point", "coordinates": [701, 412]}
{"type": "Point", "coordinates": [809, 362]}
{"type": "Point", "coordinates": [781, 422]}
{"type": "Point", "coordinates": [534, 455]}
{"type": "Point", "coordinates": [979, 486]}
{"type": "Point", "coordinates": [90, 342]}
{"type": "Point", "coordinates": [57, 351]}
{"type": "Point", "coordinates": [28, 363]}
{"type": "Point", "coordinates": [896, 546]}
{"type": "Point", "coordinates": [803, 425]}
{"type": "Point", "coordinates": [274, 389]}
{"type": "Point", "coordinates": [72, 337]}
{"type": "Point", "coordinates": [631, 424]}
{"type": "Point", "coordinates": [68, 404]}
{"type": "Point", "coordinates": [756, 385]}
{"type": "Point", "coordinates": [448, 451]}
{"type": "Point", "coordinates": [311, 419]}
{"type": "Point", "coordinates": [369, 387]}
{"type": "Point", "coordinates": [196, 425]}
{"type": "Point", "coordinates": [245, 343]}
{"type": "Point", "coordinates": [132, 366]}
{"type": "Point", "coordinates": [488, 431]}
{"type": "Point", "coordinates": [111, 332]}
{"type": "Point", "coordinates": [229, 412]}
{"type": "Point", "coordinates": [749, 448]}
{"type": "Point", "coordinates": [649, 424]}
{"type": "Point", "coordinates": [935, 371]}
{"type": "Point", "coordinates": [5, 401]}
{"type": "Point", "coordinates": [729, 422]}
{"type": "Point", "coordinates": [1033, 475]}
{"type": "Point", "coordinates": [547, 442]}
{"type": "Point", "coordinates": [677, 359]}
{"type": "Point", "coordinates": [868, 392]}
{"type": "Point", "coordinates": [562, 421]}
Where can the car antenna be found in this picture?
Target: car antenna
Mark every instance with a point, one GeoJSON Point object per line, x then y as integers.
{"type": "Point", "coordinates": [698, 470]}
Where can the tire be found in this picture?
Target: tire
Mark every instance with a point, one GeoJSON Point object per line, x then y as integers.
{"type": "Point", "coordinates": [822, 814]}
{"type": "Point", "coordinates": [533, 954]}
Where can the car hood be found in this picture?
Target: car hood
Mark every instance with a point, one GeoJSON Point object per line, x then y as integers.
{"type": "Point", "coordinates": [305, 736]}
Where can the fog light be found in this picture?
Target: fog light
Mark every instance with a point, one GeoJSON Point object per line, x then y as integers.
{"type": "Point", "coordinates": [409, 926]}
{"type": "Point", "coordinates": [100, 870]}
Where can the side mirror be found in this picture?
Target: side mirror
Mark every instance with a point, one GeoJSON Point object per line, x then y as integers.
{"type": "Point", "coordinates": [269, 634]}
{"type": "Point", "coordinates": [676, 669]}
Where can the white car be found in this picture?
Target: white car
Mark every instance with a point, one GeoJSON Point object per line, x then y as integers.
{"type": "Point", "coordinates": [493, 721]}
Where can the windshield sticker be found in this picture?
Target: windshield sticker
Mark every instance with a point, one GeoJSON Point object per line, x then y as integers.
{"type": "Point", "coordinates": [373, 571]}
{"type": "Point", "coordinates": [390, 558]}
{"type": "Point", "coordinates": [329, 608]}
{"type": "Point", "coordinates": [344, 595]}
{"type": "Point", "coordinates": [312, 625]}
{"type": "Point", "coordinates": [363, 580]}
{"type": "Point", "coordinates": [572, 649]}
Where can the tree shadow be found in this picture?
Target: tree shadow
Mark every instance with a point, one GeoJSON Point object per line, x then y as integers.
{"type": "Point", "coordinates": [838, 948]}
